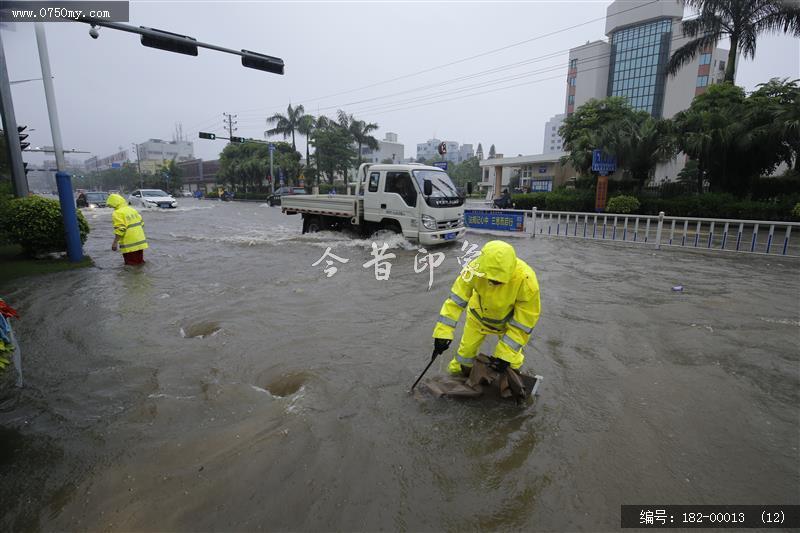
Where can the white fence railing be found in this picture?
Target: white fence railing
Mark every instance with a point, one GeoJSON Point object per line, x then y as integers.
{"type": "Point", "coordinates": [727, 235]}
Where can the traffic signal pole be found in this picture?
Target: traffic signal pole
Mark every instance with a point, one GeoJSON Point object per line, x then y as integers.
{"type": "Point", "coordinates": [19, 180]}
{"type": "Point", "coordinates": [63, 180]}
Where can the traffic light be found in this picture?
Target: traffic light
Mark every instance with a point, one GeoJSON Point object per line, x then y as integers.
{"type": "Point", "coordinates": [22, 136]}
{"type": "Point", "coordinates": [166, 40]}
{"type": "Point", "coordinates": [238, 139]}
{"type": "Point", "coordinates": [262, 62]}
{"type": "Point", "coordinates": [204, 135]}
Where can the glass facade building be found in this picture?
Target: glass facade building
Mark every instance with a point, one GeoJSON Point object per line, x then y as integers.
{"type": "Point", "coordinates": [637, 69]}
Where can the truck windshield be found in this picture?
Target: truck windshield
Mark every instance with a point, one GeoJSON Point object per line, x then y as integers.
{"type": "Point", "coordinates": [442, 184]}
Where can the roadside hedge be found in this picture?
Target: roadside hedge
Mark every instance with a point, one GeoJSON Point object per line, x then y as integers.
{"type": "Point", "coordinates": [558, 200]}
{"type": "Point", "coordinates": [35, 223]}
{"type": "Point", "coordinates": [708, 205]}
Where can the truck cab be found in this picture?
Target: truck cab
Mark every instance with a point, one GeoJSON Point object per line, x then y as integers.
{"type": "Point", "coordinates": [419, 201]}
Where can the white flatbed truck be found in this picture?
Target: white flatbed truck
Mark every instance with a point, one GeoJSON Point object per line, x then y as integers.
{"type": "Point", "coordinates": [419, 201]}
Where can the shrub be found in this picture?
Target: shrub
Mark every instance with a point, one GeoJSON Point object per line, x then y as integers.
{"type": "Point", "coordinates": [623, 205]}
{"type": "Point", "coordinates": [35, 224]}
{"type": "Point", "coordinates": [564, 200]}
{"type": "Point", "coordinates": [796, 211]}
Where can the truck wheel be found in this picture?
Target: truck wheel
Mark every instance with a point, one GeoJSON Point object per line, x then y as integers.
{"type": "Point", "coordinates": [312, 225]}
{"type": "Point", "coordinates": [392, 225]}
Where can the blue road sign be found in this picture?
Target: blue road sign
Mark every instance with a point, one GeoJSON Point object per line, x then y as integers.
{"type": "Point", "coordinates": [271, 147]}
{"type": "Point", "coordinates": [116, 165]}
{"type": "Point", "coordinates": [440, 164]}
{"type": "Point", "coordinates": [603, 164]}
{"type": "Point", "coordinates": [495, 220]}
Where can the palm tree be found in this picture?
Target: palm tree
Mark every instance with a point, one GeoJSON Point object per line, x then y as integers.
{"type": "Point", "coordinates": [639, 142]}
{"type": "Point", "coordinates": [741, 21]}
{"type": "Point", "coordinates": [287, 124]}
{"type": "Point", "coordinates": [306, 127]}
{"type": "Point", "coordinates": [360, 131]}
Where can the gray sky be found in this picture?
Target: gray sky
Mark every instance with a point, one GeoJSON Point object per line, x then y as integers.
{"type": "Point", "coordinates": [112, 91]}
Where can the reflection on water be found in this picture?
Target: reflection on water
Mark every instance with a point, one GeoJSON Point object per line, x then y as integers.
{"type": "Point", "coordinates": [230, 385]}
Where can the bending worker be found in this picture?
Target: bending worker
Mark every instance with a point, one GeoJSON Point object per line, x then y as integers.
{"type": "Point", "coordinates": [501, 295]}
{"type": "Point", "coordinates": [128, 230]}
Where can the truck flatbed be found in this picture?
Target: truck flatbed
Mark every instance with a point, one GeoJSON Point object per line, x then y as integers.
{"type": "Point", "coordinates": [336, 206]}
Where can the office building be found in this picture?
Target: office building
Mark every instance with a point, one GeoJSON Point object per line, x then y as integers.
{"type": "Point", "coordinates": [642, 36]}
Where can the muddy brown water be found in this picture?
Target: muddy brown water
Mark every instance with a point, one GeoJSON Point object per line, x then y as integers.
{"type": "Point", "coordinates": [229, 385]}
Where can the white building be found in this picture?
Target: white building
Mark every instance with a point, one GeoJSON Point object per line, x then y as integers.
{"type": "Point", "coordinates": [552, 140]}
{"type": "Point", "coordinates": [455, 153]}
{"type": "Point", "coordinates": [537, 173]}
{"type": "Point", "coordinates": [388, 149]}
{"type": "Point", "coordinates": [160, 151]}
{"type": "Point", "coordinates": [642, 35]}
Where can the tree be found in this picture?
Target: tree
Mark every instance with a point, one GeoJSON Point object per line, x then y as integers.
{"type": "Point", "coordinates": [333, 150]}
{"type": "Point", "coordinates": [479, 152]}
{"type": "Point", "coordinates": [287, 159]}
{"type": "Point", "coordinates": [727, 134]}
{"type": "Point", "coordinates": [775, 106]}
{"type": "Point", "coordinates": [245, 163]}
{"type": "Point", "coordinates": [583, 130]}
{"type": "Point", "coordinates": [360, 131]}
{"type": "Point", "coordinates": [741, 21]}
{"type": "Point", "coordinates": [468, 170]}
{"type": "Point", "coordinates": [306, 127]}
{"type": "Point", "coordinates": [639, 142]}
{"type": "Point", "coordinates": [492, 152]}
{"type": "Point", "coordinates": [287, 124]}
{"type": "Point", "coordinates": [170, 172]}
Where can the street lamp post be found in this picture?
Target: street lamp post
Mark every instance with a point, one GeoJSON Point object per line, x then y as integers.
{"type": "Point", "coordinates": [63, 181]}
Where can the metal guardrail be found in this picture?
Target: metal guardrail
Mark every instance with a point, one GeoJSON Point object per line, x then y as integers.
{"type": "Point", "coordinates": [728, 235]}
{"type": "Point", "coordinates": [716, 234]}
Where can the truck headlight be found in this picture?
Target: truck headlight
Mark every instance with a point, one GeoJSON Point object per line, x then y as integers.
{"type": "Point", "coordinates": [429, 222]}
{"type": "Point", "coordinates": [461, 219]}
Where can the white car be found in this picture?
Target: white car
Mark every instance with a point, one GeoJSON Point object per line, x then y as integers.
{"type": "Point", "coordinates": [151, 198]}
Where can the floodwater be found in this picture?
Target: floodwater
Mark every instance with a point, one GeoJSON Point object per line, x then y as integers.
{"type": "Point", "coordinates": [229, 385]}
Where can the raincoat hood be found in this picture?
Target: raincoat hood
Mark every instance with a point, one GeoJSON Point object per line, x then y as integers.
{"type": "Point", "coordinates": [498, 261]}
{"type": "Point", "coordinates": [116, 201]}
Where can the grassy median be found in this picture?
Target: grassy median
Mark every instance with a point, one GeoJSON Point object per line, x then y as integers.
{"type": "Point", "coordinates": [15, 264]}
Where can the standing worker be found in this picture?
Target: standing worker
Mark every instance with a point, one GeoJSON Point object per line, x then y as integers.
{"type": "Point", "coordinates": [128, 230]}
{"type": "Point", "coordinates": [502, 294]}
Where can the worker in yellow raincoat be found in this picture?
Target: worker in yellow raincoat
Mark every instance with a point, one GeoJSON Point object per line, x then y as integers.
{"type": "Point", "coordinates": [128, 230]}
{"type": "Point", "coordinates": [501, 296]}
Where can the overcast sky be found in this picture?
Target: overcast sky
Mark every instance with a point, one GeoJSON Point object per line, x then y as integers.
{"type": "Point", "coordinates": [112, 91]}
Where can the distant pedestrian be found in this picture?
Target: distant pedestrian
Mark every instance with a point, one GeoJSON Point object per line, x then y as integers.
{"type": "Point", "coordinates": [128, 230]}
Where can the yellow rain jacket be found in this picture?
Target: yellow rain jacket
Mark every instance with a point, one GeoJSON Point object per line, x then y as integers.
{"type": "Point", "coordinates": [509, 310]}
{"type": "Point", "coordinates": [128, 225]}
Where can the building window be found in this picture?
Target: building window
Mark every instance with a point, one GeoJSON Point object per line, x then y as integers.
{"type": "Point", "coordinates": [543, 185]}
{"type": "Point", "coordinates": [705, 58]}
{"type": "Point", "coordinates": [637, 57]}
{"type": "Point", "coordinates": [722, 65]}
{"type": "Point", "coordinates": [702, 81]}
{"type": "Point", "coordinates": [573, 63]}
{"type": "Point", "coordinates": [571, 81]}
{"type": "Point", "coordinates": [571, 99]}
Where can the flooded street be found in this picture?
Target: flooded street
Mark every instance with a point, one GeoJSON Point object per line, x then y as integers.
{"type": "Point", "coordinates": [229, 385]}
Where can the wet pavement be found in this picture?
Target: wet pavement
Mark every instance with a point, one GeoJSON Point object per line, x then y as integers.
{"type": "Point", "coordinates": [229, 385]}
